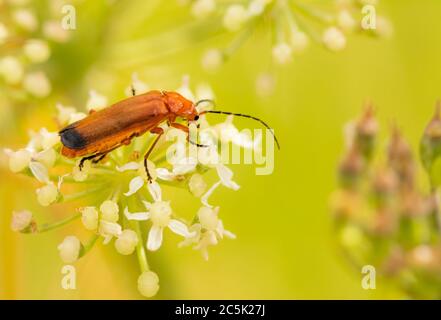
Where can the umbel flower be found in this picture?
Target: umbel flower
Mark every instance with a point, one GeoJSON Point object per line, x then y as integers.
{"type": "Point", "coordinates": [26, 37]}
{"type": "Point", "coordinates": [293, 24]}
{"type": "Point", "coordinates": [383, 216]}
{"type": "Point", "coordinates": [120, 206]}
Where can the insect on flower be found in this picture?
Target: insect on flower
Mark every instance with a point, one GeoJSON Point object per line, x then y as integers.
{"type": "Point", "coordinates": [105, 130]}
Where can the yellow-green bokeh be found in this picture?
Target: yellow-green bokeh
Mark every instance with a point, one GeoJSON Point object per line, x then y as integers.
{"type": "Point", "coordinates": [285, 247]}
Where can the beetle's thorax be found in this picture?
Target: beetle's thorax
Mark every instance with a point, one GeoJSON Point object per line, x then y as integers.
{"type": "Point", "coordinates": [179, 105]}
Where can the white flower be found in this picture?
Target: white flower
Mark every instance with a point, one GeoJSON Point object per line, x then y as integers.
{"type": "Point", "coordinates": [282, 53]}
{"type": "Point", "coordinates": [148, 284]}
{"type": "Point", "coordinates": [4, 33]}
{"type": "Point", "coordinates": [334, 39]}
{"type": "Point", "coordinates": [37, 50]}
{"type": "Point", "coordinates": [11, 70]}
{"type": "Point", "coordinates": [96, 101]}
{"type": "Point", "coordinates": [69, 249]}
{"type": "Point", "coordinates": [138, 182]}
{"type": "Point", "coordinates": [207, 232]}
{"type": "Point", "coordinates": [109, 211]}
{"type": "Point", "coordinates": [235, 16]}
{"type": "Point", "coordinates": [21, 220]}
{"type": "Point", "coordinates": [89, 218]}
{"type": "Point", "coordinates": [256, 7]}
{"type": "Point", "coordinates": [346, 21]}
{"type": "Point", "coordinates": [54, 31]}
{"type": "Point", "coordinates": [225, 174]}
{"type": "Point", "coordinates": [126, 242]}
{"type": "Point", "coordinates": [25, 19]}
{"type": "Point", "coordinates": [37, 84]}
{"type": "Point", "coordinates": [159, 213]}
{"type": "Point", "coordinates": [64, 113]}
{"type": "Point", "coordinates": [265, 84]}
{"type": "Point", "coordinates": [227, 132]}
{"type": "Point", "coordinates": [212, 59]}
{"type": "Point", "coordinates": [109, 230]}
{"type": "Point", "coordinates": [299, 41]}
{"type": "Point", "coordinates": [203, 8]}
{"type": "Point", "coordinates": [137, 85]}
{"type": "Point", "coordinates": [197, 185]}
{"type": "Point", "coordinates": [47, 194]}
{"type": "Point", "coordinates": [77, 116]}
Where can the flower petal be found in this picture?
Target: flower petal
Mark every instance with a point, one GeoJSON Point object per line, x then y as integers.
{"type": "Point", "coordinates": [155, 191]}
{"type": "Point", "coordinates": [164, 174]}
{"type": "Point", "coordinates": [184, 165]}
{"type": "Point", "coordinates": [154, 240]}
{"type": "Point", "coordinates": [134, 185]}
{"type": "Point", "coordinates": [180, 228]}
{"type": "Point", "coordinates": [39, 171]}
{"type": "Point", "coordinates": [128, 166]}
{"type": "Point", "coordinates": [225, 174]}
{"type": "Point", "coordinates": [147, 204]}
{"type": "Point", "coordinates": [138, 216]}
{"type": "Point", "coordinates": [204, 198]}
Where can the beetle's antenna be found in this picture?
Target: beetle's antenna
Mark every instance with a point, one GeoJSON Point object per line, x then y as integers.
{"type": "Point", "coordinates": [245, 116]}
{"type": "Point", "coordinates": [205, 100]}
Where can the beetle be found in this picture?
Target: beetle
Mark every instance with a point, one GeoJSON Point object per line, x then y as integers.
{"type": "Point", "coordinates": [103, 131]}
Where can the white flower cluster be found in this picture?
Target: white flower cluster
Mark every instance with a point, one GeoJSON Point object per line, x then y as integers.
{"type": "Point", "coordinates": [122, 182]}
{"type": "Point", "coordinates": [25, 46]}
{"type": "Point", "coordinates": [292, 31]}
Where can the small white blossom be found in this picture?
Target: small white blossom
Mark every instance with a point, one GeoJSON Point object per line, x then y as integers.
{"type": "Point", "coordinates": [25, 19]}
{"type": "Point", "coordinates": [64, 113]}
{"type": "Point", "coordinates": [334, 39]}
{"type": "Point", "coordinates": [203, 8]}
{"type": "Point", "coordinates": [109, 211]}
{"type": "Point", "coordinates": [346, 21]}
{"type": "Point", "coordinates": [21, 220]}
{"type": "Point", "coordinates": [53, 30]}
{"type": "Point", "coordinates": [89, 218]}
{"type": "Point", "coordinates": [197, 185]}
{"type": "Point", "coordinates": [109, 230]}
{"type": "Point", "coordinates": [148, 284]}
{"type": "Point", "coordinates": [137, 85]}
{"type": "Point", "coordinates": [299, 41]}
{"type": "Point", "coordinates": [159, 213]}
{"type": "Point", "coordinates": [96, 101]}
{"type": "Point", "coordinates": [69, 249]}
{"type": "Point", "coordinates": [11, 70]}
{"type": "Point", "coordinates": [282, 53]}
{"type": "Point", "coordinates": [37, 50]}
{"type": "Point", "coordinates": [4, 33]}
{"type": "Point", "coordinates": [37, 84]}
{"type": "Point", "coordinates": [235, 16]}
{"type": "Point", "coordinates": [126, 242]}
{"type": "Point", "coordinates": [19, 160]}
{"type": "Point", "coordinates": [47, 194]}
{"type": "Point", "coordinates": [212, 59]}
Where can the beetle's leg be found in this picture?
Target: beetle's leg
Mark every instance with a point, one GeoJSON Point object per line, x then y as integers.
{"type": "Point", "coordinates": [81, 165]}
{"type": "Point", "coordinates": [159, 132]}
{"type": "Point", "coordinates": [99, 157]}
{"type": "Point", "coordinates": [133, 90]}
{"type": "Point", "coordinates": [186, 130]}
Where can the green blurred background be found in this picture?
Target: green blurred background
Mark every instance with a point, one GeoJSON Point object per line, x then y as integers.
{"type": "Point", "coordinates": [285, 248]}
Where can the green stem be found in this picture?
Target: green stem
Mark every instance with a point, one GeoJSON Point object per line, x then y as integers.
{"type": "Point", "coordinates": [79, 195]}
{"type": "Point", "coordinates": [314, 13]}
{"type": "Point", "coordinates": [140, 250]}
{"type": "Point", "coordinates": [50, 226]}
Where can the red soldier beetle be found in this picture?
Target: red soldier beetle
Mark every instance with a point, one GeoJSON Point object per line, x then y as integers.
{"type": "Point", "coordinates": [103, 131]}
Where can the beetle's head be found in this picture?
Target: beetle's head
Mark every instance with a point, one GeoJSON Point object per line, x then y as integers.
{"type": "Point", "coordinates": [180, 106]}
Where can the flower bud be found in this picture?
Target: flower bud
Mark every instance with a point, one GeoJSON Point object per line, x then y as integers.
{"type": "Point", "coordinates": [346, 21]}
{"type": "Point", "coordinates": [89, 218]}
{"type": "Point", "coordinates": [69, 249]}
{"type": "Point", "coordinates": [282, 53]}
{"type": "Point", "coordinates": [208, 218]}
{"type": "Point", "coordinates": [334, 39]}
{"type": "Point", "coordinates": [19, 160]}
{"type": "Point", "coordinates": [148, 284]}
{"type": "Point", "coordinates": [37, 50]}
{"type": "Point", "coordinates": [109, 211]}
{"type": "Point", "coordinates": [160, 213]}
{"type": "Point", "coordinates": [37, 84]}
{"type": "Point", "coordinates": [126, 242]}
{"type": "Point", "coordinates": [299, 41]}
{"type": "Point", "coordinates": [212, 59]}
{"type": "Point", "coordinates": [47, 195]}
{"type": "Point", "coordinates": [203, 8]}
{"type": "Point", "coordinates": [25, 19]}
{"type": "Point", "coordinates": [197, 185]}
{"type": "Point", "coordinates": [21, 220]}
{"type": "Point", "coordinates": [96, 101]}
{"type": "Point", "coordinates": [235, 16]}
{"type": "Point", "coordinates": [11, 70]}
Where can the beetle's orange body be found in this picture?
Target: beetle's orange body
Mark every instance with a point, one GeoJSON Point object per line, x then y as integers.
{"type": "Point", "coordinates": [105, 130]}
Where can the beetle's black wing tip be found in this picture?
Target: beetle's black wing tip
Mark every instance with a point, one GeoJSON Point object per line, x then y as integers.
{"type": "Point", "coordinates": [71, 138]}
